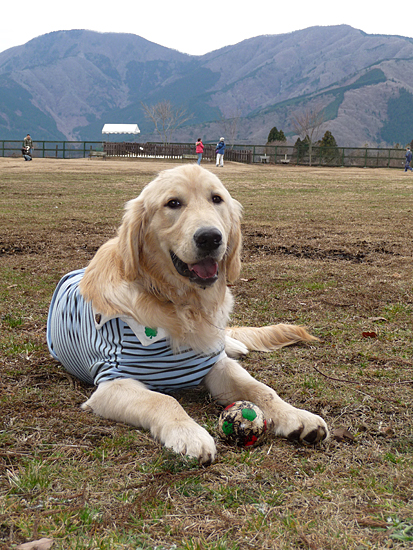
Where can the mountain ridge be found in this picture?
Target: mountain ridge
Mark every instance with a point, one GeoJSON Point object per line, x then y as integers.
{"type": "Point", "coordinates": [67, 84]}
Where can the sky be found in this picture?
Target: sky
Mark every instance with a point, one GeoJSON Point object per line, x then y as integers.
{"type": "Point", "coordinates": [199, 27]}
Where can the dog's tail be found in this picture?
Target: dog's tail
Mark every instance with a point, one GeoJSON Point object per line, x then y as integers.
{"type": "Point", "coordinates": [269, 338]}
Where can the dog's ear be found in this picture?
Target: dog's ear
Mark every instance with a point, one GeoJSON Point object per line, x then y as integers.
{"type": "Point", "coordinates": [131, 235]}
{"type": "Point", "coordinates": [233, 262]}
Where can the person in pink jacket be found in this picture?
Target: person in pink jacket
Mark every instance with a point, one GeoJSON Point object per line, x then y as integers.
{"type": "Point", "coordinates": [199, 149]}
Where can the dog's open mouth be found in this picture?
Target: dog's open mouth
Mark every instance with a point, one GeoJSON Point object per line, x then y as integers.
{"type": "Point", "coordinates": [203, 273]}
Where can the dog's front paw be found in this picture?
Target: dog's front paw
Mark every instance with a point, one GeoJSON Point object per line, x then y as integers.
{"type": "Point", "coordinates": [188, 438]}
{"type": "Point", "coordinates": [234, 348]}
{"type": "Point", "coordinates": [300, 425]}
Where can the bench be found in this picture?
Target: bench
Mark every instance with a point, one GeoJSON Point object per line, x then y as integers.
{"type": "Point", "coordinates": [189, 157]}
{"type": "Point", "coordinates": [265, 159]}
{"type": "Point", "coordinates": [97, 154]}
{"type": "Point", "coordinates": [285, 160]}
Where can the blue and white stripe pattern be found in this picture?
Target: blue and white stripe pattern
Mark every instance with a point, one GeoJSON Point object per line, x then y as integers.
{"type": "Point", "coordinates": [97, 353]}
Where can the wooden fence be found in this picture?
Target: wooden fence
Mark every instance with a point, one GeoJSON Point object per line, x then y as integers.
{"type": "Point", "coordinates": [178, 151]}
{"type": "Point", "coordinates": [50, 149]}
{"type": "Point", "coordinates": [363, 157]}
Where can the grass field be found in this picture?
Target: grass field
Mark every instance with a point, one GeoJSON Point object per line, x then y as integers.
{"type": "Point", "coordinates": [327, 248]}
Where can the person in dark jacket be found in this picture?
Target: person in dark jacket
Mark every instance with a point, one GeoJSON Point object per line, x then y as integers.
{"type": "Point", "coordinates": [408, 156]}
{"type": "Point", "coordinates": [28, 142]}
{"type": "Point", "coordinates": [220, 151]}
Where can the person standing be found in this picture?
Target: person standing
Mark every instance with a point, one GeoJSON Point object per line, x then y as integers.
{"type": "Point", "coordinates": [408, 156]}
{"type": "Point", "coordinates": [27, 142]}
{"type": "Point", "coordinates": [220, 151]}
{"type": "Point", "coordinates": [199, 149]}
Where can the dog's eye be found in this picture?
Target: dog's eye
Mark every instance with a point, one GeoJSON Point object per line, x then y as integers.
{"type": "Point", "coordinates": [216, 199]}
{"type": "Point", "coordinates": [174, 203]}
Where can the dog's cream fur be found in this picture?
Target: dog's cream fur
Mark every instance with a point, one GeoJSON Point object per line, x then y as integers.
{"type": "Point", "coordinates": [134, 275]}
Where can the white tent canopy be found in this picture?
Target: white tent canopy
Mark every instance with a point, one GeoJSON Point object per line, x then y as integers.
{"type": "Point", "coordinates": [120, 129]}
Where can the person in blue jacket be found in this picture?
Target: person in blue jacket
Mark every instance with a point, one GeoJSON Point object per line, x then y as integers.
{"type": "Point", "coordinates": [220, 150]}
{"type": "Point", "coordinates": [408, 156]}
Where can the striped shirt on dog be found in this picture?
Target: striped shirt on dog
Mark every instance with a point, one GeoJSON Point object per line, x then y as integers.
{"type": "Point", "coordinates": [96, 350]}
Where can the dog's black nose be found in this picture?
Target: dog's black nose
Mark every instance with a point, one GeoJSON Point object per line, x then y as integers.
{"type": "Point", "coordinates": [208, 238]}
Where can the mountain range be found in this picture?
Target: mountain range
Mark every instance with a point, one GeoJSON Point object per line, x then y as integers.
{"type": "Point", "coordinates": [66, 85]}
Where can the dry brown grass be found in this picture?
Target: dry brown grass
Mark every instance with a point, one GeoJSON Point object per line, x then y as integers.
{"type": "Point", "coordinates": [328, 248]}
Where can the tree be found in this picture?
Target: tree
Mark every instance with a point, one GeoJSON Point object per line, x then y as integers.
{"type": "Point", "coordinates": [230, 126]}
{"type": "Point", "coordinates": [307, 124]}
{"type": "Point", "coordinates": [166, 118]}
{"type": "Point", "coordinates": [328, 148]}
{"type": "Point", "coordinates": [301, 148]}
{"type": "Point", "coordinates": [328, 140]}
{"type": "Point", "coordinates": [276, 135]}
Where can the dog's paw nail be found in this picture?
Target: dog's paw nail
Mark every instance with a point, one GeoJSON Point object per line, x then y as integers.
{"type": "Point", "coordinates": [311, 437]}
{"type": "Point", "coordinates": [324, 433]}
{"type": "Point", "coordinates": [207, 461]}
{"type": "Point", "coordinates": [295, 435]}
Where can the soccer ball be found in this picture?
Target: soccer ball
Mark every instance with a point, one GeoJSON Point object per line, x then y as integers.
{"type": "Point", "coordinates": [242, 424]}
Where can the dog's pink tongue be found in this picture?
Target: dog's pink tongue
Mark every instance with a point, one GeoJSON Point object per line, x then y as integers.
{"type": "Point", "coordinates": [205, 269]}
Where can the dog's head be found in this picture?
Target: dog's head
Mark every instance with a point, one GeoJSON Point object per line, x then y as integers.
{"type": "Point", "coordinates": [184, 224]}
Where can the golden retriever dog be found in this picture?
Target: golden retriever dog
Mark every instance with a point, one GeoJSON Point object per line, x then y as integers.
{"type": "Point", "coordinates": [150, 313]}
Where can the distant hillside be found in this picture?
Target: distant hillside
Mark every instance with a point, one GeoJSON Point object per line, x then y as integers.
{"type": "Point", "coordinates": [67, 84]}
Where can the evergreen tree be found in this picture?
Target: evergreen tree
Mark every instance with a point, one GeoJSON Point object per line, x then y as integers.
{"type": "Point", "coordinates": [328, 149]}
{"type": "Point", "coordinates": [276, 135]}
{"type": "Point", "coordinates": [301, 148]}
{"type": "Point", "coordinates": [328, 140]}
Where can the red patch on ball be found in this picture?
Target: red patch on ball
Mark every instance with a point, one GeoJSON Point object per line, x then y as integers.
{"type": "Point", "coordinates": [243, 424]}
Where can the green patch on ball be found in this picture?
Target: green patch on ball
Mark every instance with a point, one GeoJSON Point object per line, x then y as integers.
{"type": "Point", "coordinates": [243, 424]}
